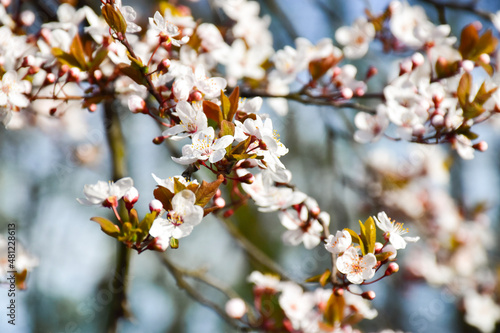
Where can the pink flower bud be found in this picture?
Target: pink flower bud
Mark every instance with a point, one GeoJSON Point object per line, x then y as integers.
{"type": "Point", "coordinates": [369, 295]}
{"type": "Point", "coordinates": [359, 92]}
{"type": "Point", "coordinates": [74, 74]}
{"type": "Point", "coordinates": [93, 107]}
{"type": "Point", "coordinates": [220, 202]}
{"type": "Point", "coordinates": [437, 120]}
{"type": "Point", "coordinates": [339, 291]}
{"type": "Point", "coordinates": [481, 146]}
{"type": "Point", "coordinates": [347, 93]}
{"type": "Point", "coordinates": [131, 197]}
{"type": "Point", "coordinates": [27, 18]}
{"type": "Point", "coordinates": [155, 206]}
{"type": "Point", "coordinates": [98, 74]}
{"type": "Point", "coordinates": [478, 25]}
{"type": "Point", "coordinates": [417, 59]}
{"type": "Point", "coordinates": [236, 308]}
{"type": "Point", "coordinates": [196, 96]}
{"type": "Point", "coordinates": [228, 213]}
{"type": "Point", "coordinates": [336, 71]}
{"type": "Point", "coordinates": [50, 78]}
{"type": "Point", "coordinates": [28, 61]}
{"type": "Point", "coordinates": [405, 66]}
{"type": "Point", "coordinates": [6, 3]}
{"type": "Point", "coordinates": [391, 269]}
{"type": "Point", "coordinates": [378, 247]}
{"type": "Point", "coordinates": [158, 140]}
{"type": "Point", "coordinates": [484, 58]}
{"type": "Point", "coordinates": [372, 71]}
{"type": "Point", "coordinates": [136, 104]}
{"type": "Point", "coordinates": [468, 65]}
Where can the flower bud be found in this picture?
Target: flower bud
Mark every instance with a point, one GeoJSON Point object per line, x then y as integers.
{"type": "Point", "coordinates": [347, 93]}
{"type": "Point", "coordinates": [131, 197]}
{"type": "Point", "coordinates": [155, 206]}
{"type": "Point", "coordinates": [484, 58]}
{"type": "Point", "coordinates": [228, 213]}
{"type": "Point", "coordinates": [196, 96]}
{"type": "Point", "coordinates": [437, 120]}
{"type": "Point", "coordinates": [372, 71]}
{"type": "Point", "coordinates": [27, 18]}
{"type": "Point", "coordinates": [247, 179]}
{"type": "Point", "coordinates": [93, 107]}
{"type": "Point", "coordinates": [481, 146]}
{"type": "Point", "coordinates": [468, 65]}
{"type": "Point", "coordinates": [391, 269]}
{"type": "Point", "coordinates": [52, 111]}
{"type": "Point", "coordinates": [136, 104]}
{"type": "Point", "coordinates": [174, 243]}
{"type": "Point", "coordinates": [417, 59]}
{"type": "Point", "coordinates": [158, 140]}
{"type": "Point", "coordinates": [378, 247]}
{"type": "Point", "coordinates": [405, 66]}
{"type": "Point", "coordinates": [338, 291]}
{"type": "Point", "coordinates": [98, 74]}
{"type": "Point", "coordinates": [220, 202]}
{"type": "Point", "coordinates": [236, 308]}
{"type": "Point", "coordinates": [159, 244]}
{"type": "Point", "coordinates": [369, 295]}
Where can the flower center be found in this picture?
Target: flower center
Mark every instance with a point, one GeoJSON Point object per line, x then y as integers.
{"type": "Point", "coordinates": [175, 218]}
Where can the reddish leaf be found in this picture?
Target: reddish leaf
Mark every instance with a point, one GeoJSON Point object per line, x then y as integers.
{"type": "Point", "coordinates": [234, 99]}
{"type": "Point", "coordinates": [212, 111]}
{"type": "Point", "coordinates": [164, 195]}
{"type": "Point", "coordinates": [207, 190]}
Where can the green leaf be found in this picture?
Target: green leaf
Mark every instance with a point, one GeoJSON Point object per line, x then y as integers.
{"type": "Point", "coordinates": [132, 72]}
{"type": "Point", "coordinates": [65, 58]}
{"type": "Point", "coordinates": [178, 186]}
{"type": "Point", "coordinates": [354, 236]}
{"type": "Point", "coordinates": [371, 234]}
{"type": "Point", "coordinates": [98, 58]}
{"type": "Point", "coordinates": [107, 226]}
{"type": "Point", "coordinates": [174, 243]}
{"type": "Point", "coordinates": [207, 190]}
{"type": "Point", "coordinates": [383, 256]}
{"type": "Point", "coordinates": [225, 105]}
{"type": "Point", "coordinates": [134, 218]}
{"type": "Point", "coordinates": [76, 50]}
{"type": "Point", "coordinates": [325, 277]}
{"type": "Point", "coordinates": [362, 236]}
{"type": "Point", "coordinates": [334, 311]}
{"type": "Point", "coordinates": [463, 89]}
{"type": "Point", "coordinates": [226, 128]}
{"type": "Point", "coordinates": [145, 225]}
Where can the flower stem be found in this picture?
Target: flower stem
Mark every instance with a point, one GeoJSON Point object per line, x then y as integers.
{"type": "Point", "coordinates": [118, 307]}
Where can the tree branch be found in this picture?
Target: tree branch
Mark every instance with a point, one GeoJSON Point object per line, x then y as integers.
{"type": "Point", "coordinates": [119, 305]}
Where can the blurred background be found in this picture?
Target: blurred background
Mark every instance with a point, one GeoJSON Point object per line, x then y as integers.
{"type": "Point", "coordinates": [42, 172]}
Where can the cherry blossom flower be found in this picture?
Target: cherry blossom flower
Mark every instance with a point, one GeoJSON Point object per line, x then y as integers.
{"type": "Point", "coordinates": [356, 39]}
{"type": "Point", "coordinates": [339, 242]}
{"type": "Point", "coordinates": [481, 311]}
{"type": "Point", "coordinates": [264, 281]}
{"type": "Point", "coordinates": [371, 127]}
{"type": "Point", "coordinates": [356, 268]}
{"type": "Point", "coordinates": [106, 193]}
{"type": "Point", "coordinates": [394, 230]}
{"type": "Point", "coordinates": [193, 119]}
{"type": "Point", "coordinates": [181, 220]}
{"type": "Point", "coordinates": [166, 30]}
{"type": "Point", "coordinates": [129, 15]}
{"type": "Point", "coordinates": [205, 147]}
{"type": "Point", "coordinates": [269, 197]}
{"type": "Point", "coordinates": [12, 96]}
{"type": "Point", "coordinates": [295, 302]}
{"type": "Point", "coordinates": [169, 182]}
